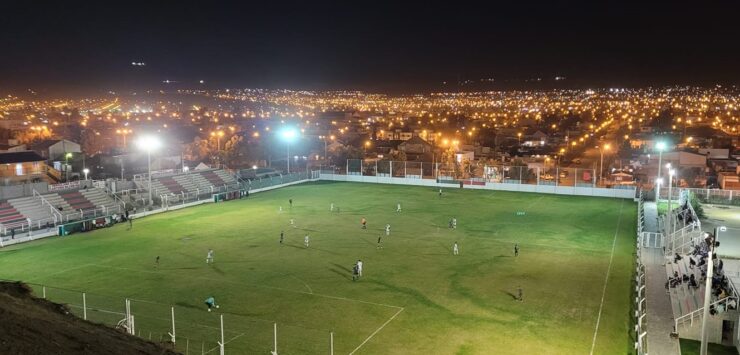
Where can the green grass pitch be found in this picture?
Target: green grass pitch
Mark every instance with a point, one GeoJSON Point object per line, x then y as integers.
{"type": "Point", "coordinates": [415, 297]}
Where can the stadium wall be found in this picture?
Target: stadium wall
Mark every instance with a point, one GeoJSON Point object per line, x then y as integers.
{"type": "Point", "coordinates": [544, 189]}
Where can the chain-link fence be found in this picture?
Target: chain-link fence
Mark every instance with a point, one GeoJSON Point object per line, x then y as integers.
{"type": "Point", "coordinates": [187, 329]}
{"type": "Point", "coordinates": [498, 173]}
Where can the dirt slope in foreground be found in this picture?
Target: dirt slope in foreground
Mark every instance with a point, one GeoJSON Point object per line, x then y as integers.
{"type": "Point", "coordinates": [30, 325]}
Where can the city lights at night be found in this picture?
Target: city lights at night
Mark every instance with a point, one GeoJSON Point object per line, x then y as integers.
{"type": "Point", "coordinates": [381, 178]}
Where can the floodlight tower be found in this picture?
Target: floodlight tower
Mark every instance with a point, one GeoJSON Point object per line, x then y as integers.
{"type": "Point", "coordinates": [288, 134]}
{"type": "Point", "coordinates": [148, 144]}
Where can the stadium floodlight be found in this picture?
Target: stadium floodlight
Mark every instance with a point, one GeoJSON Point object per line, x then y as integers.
{"type": "Point", "coordinates": [149, 143]}
{"type": "Point", "coordinates": [288, 135]}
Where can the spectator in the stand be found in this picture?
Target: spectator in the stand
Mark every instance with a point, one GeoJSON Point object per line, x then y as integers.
{"type": "Point", "coordinates": [732, 304]}
{"type": "Point", "coordinates": [692, 281]}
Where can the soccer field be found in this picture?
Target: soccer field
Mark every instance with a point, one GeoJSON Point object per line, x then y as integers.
{"type": "Point", "coordinates": [415, 297]}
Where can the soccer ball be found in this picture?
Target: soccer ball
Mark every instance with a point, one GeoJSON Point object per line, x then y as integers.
{"type": "Point", "coordinates": [217, 306]}
{"type": "Point", "coordinates": [209, 309]}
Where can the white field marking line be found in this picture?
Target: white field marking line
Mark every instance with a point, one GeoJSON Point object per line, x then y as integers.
{"type": "Point", "coordinates": [606, 281]}
{"type": "Point", "coordinates": [304, 283]}
{"type": "Point", "coordinates": [535, 201]}
{"type": "Point", "coordinates": [376, 331]}
{"type": "Point", "coordinates": [257, 285]}
{"type": "Point", "coordinates": [226, 342]}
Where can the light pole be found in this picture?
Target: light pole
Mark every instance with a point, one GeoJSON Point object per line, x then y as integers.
{"type": "Point", "coordinates": [149, 143]}
{"type": "Point", "coordinates": [288, 135]}
{"type": "Point", "coordinates": [519, 138]}
{"type": "Point", "coordinates": [124, 132]}
{"type": "Point", "coordinates": [86, 171]}
{"type": "Point", "coordinates": [601, 166]}
{"type": "Point", "coordinates": [670, 194]}
{"type": "Point", "coordinates": [660, 146]}
{"type": "Point", "coordinates": [218, 135]}
{"type": "Point", "coordinates": [708, 292]}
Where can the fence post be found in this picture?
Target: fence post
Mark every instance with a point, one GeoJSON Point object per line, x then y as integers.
{"type": "Point", "coordinates": [390, 164]}
{"type": "Point", "coordinates": [172, 309]}
{"type": "Point", "coordinates": [274, 338]}
{"type": "Point", "coordinates": [221, 344]}
{"type": "Point", "coordinates": [84, 306]}
{"type": "Point", "coordinates": [520, 175]}
{"type": "Point", "coordinates": [404, 170]}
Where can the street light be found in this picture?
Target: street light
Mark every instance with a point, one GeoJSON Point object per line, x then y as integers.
{"type": "Point", "coordinates": [660, 146]}
{"type": "Point", "coordinates": [124, 132]}
{"type": "Point", "coordinates": [218, 135]}
{"type": "Point", "coordinates": [288, 135]}
{"type": "Point", "coordinates": [86, 171]}
{"type": "Point", "coordinates": [519, 137]}
{"type": "Point", "coordinates": [148, 144]}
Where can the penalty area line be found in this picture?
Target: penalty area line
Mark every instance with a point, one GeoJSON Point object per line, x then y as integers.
{"type": "Point", "coordinates": [377, 330]}
{"type": "Point", "coordinates": [606, 281]}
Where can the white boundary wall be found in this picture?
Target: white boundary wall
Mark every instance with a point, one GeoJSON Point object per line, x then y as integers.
{"type": "Point", "coordinates": [543, 189]}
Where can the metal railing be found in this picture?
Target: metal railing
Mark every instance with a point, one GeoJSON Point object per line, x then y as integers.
{"type": "Point", "coordinates": [53, 211]}
{"type": "Point", "coordinates": [640, 293]}
{"type": "Point", "coordinates": [699, 313]}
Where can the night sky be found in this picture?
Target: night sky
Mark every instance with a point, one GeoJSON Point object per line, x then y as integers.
{"type": "Point", "coordinates": [365, 45]}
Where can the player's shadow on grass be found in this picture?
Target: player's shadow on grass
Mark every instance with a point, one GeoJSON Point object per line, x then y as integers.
{"type": "Point", "coordinates": [502, 256]}
{"type": "Point", "coordinates": [344, 275]}
{"type": "Point", "coordinates": [346, 269]}
{"type": "Point", "coordinates": [218, 270]}
{"type": "Point", "coordinates": [513, 296]}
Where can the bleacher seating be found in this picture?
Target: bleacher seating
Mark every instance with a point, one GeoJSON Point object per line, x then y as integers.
{"type": "Point", "coordinates": [76, 200]}
{"type": "Point", "coordinates": [192, 182]}
{"type": "Point", "coordinates": [31, 207]}
{"type": "Point", "coordinates": [10, 217]}
{"type": "Point", "coordinates": [685, 299]}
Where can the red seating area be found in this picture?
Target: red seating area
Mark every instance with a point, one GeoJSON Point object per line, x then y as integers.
{"type": "Point", "coordinates": [213, 178]}
{"type": "Point", "coordinates": [172, 185]}
{"type": "Point", "coordinates": [9, 215]}
{"type": "Point", "coordinates": [77, 200]}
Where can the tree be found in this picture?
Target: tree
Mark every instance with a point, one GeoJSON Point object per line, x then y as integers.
{"type": "Point", "coordinates": [694, 201]}
{"type": "Point", "coordinates": [340, 155]}
{"type": "Point", "coordinates": [231, 154]}
{"type": "Point", "coordinates": [519, 171]}
{"type": "Point", "coordinates": [397, 155]}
